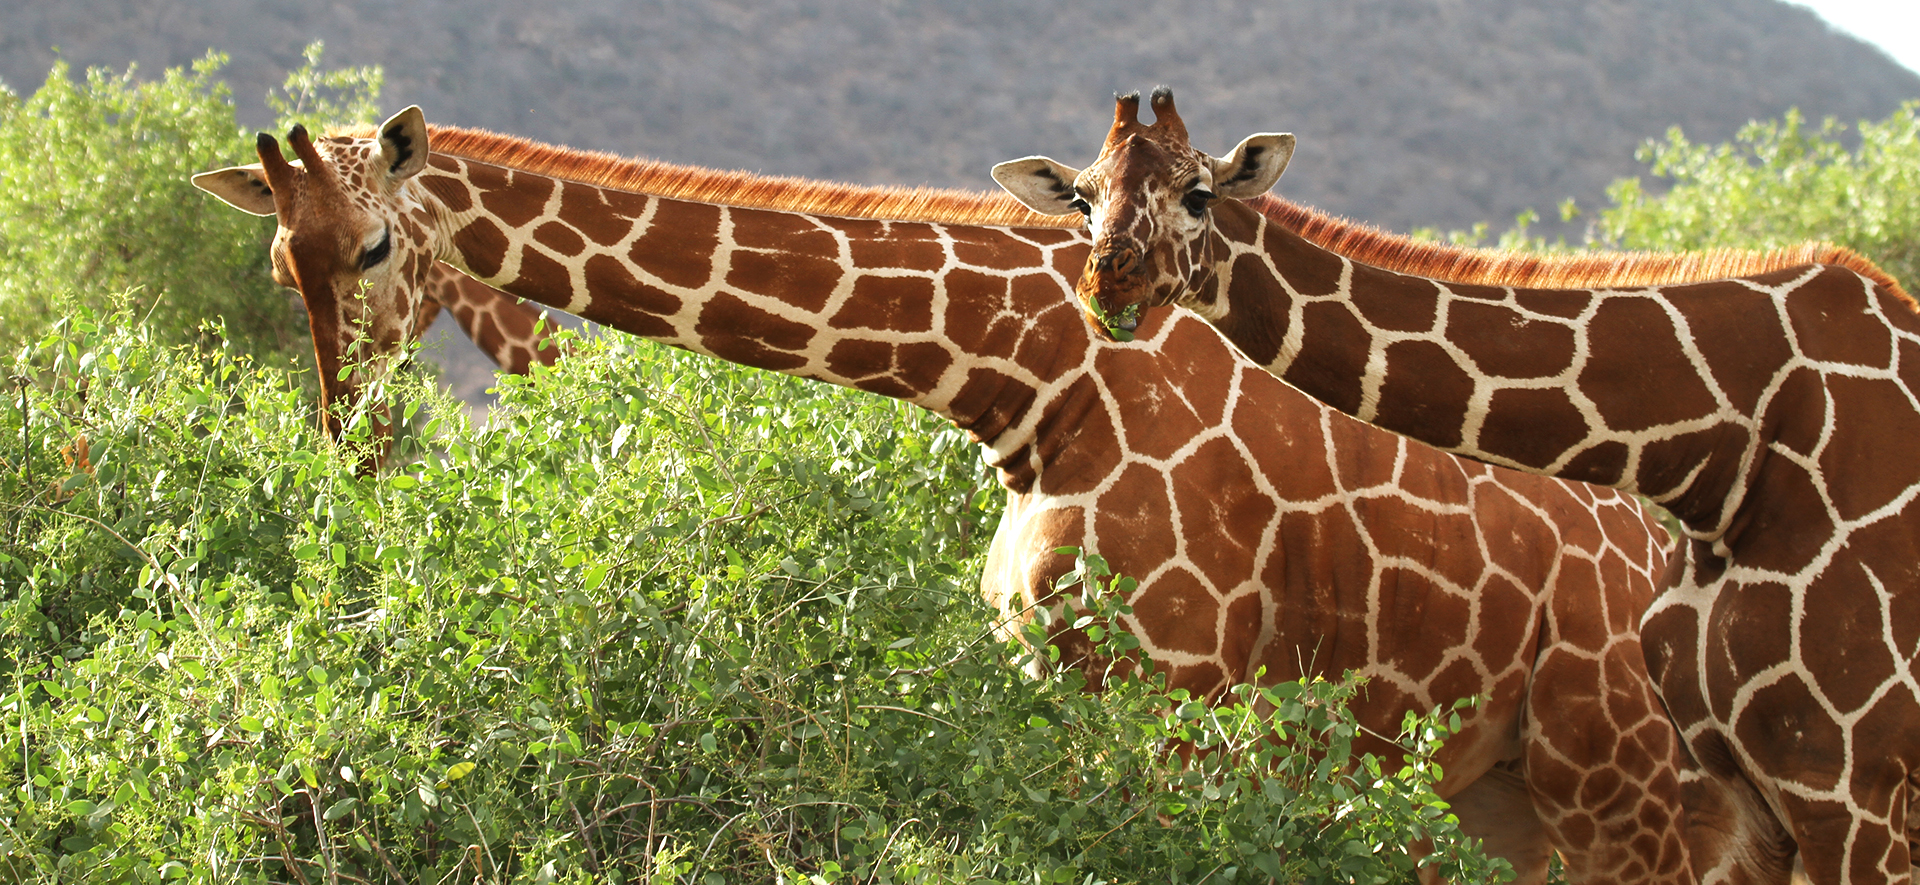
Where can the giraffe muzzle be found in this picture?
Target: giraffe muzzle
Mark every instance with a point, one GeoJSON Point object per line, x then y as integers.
{"type": "Point", "coordinates": [1113, 288]}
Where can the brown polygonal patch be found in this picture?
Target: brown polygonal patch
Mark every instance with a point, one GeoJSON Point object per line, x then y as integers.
{"type": "Point", "coordinates": [781, 232]}
{"type": "Point", "coordinates": [1747, 632]}
{"type": "Point", "coordinates": [519, 200]}
{"type": "Point", "coordinates": [1154, 418]}
{"type": "Point", "coordinates": [1791, 739]}
{"type": "Point", "coordinates": [1430, 476]}
{"type": "Point", "coordinates": [893, 304]}
{"type": "Point", "coordinates": [1418, 622]}
{"type": "Point", "coordinates": [1425, 393]}
{"type": "Point", "coordinates": [740, 332]}
{"type": "Point", "coordinates": [1321, 571]}
{"type": "Point", "coordinates": [1531, 426]}
{"type": "Point", "coordinates": [1873, 454]}
{"type": "Point", "coordinates": [542, 274]}
{"type": "Point", "coordinates": [856, 358]}
{"type": "Point", "coordinates": [1506, 344]}
{"type": "Point", "coordinates": [1054, 342]}
{"type": "Point", "coordinates": [803, 281]}
{"type": "Point", "coordinates": [451, 192]}
{"type": "Point", "coordinates": [1134, 522]}
{"type": "Point", "coordinates": [1334, 358]}
{"type": "Point", "coordinates": [559, 238]}
{"type": "Point", "coordinates": [680, 243]}
{"type": "Point", "coordinates": [1282, 445]}
{"type": "Point", "coordinates": [921, 365]}
{"type": "Point", "coordinates": [1509, 623]}
{"type": "Point", "coordinates": [980, 247]}
{"type": "Point", "coordinates": [1446, 543]}
{"type": "Point", "coordinates": [1239, 630]}
{"type": "Point", "coordinates": [1783, 523]}
{"type": "Point", "coordinates": [1394, 302]}
{"type": "Point", "coordinates": [1636, 373]}
{"type": "Point", "coordinates": [484, 246]}
{"type": "Point", "coordinates": [1310, 270]}
{"type": "Point", "coordinates": [976, 319]}
{"type": "Point", "coordinates": [1840, 639]}
{"type": "Point", "coordinates": [1831, 323]}
{"type": "Point", "coordinates": [1192, 363]}
{"type": "Point", "coordinates": [1600, 464]}
{"type": "Point", "coordinates": [892, 254]}
{"type": "Point", "coordinates": [1215, 487]}
{"type": "Point", "coordinates": [1178, 613]}
{"type": "Point", "coordinates": [603, 216]}
{"type": "Point", "coordinates": [1076, 440]}
{"type": "Point", "coordinates": [989, 402]}
{"type": "Point", "coordinates": [1554, 303]}
{"type": "Point", "coordinates": [1738, 332]}
{"type": "Point", "coordinates": [615, 290]}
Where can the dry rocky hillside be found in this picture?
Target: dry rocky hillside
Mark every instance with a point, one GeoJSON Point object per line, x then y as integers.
{"type": "Point", "coordinates": [1409, 112]}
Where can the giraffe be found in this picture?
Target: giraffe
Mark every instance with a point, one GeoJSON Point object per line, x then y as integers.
{"type": "Point", "coordinates": [1768, 401]}
{"type": "Point", "coordinates": [506, 329]}
{"type": "Point", "coordinates": [1264, 550]}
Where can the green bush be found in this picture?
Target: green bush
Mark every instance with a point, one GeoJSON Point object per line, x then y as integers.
{"type": "Point", "coordinates": [1777, 183]}
{"type": "Point", "coordinates": [658, 622]}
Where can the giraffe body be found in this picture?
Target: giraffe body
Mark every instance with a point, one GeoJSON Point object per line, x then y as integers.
{"type": "Point", "coordinates": [1768, 401]}
{"type": "Point", "coordinates": [1271, 537]}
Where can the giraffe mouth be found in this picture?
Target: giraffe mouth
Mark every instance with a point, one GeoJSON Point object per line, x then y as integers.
{"type": "Point", "coordinates": [1112, 292]}
{"type": "Point", "coordinates": [1116, 325]}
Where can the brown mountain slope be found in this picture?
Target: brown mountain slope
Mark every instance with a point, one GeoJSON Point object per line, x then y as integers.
{"type": "Point", "coordinates": [1409, 112]}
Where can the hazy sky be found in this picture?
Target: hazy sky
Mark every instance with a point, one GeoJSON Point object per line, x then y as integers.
{"type": "Point", "coordinates": [1892, 25]}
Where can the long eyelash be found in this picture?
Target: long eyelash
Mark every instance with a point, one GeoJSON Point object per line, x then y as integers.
{"type": "Point", "coordinates": [378, 252]}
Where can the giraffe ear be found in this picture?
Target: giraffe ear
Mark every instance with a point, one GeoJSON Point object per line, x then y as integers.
{"type": "Point", "coordinates": [242, 187]}
{"type": "Point", "coordinates": [1254, 166]}
{"type": "Point", "coordinates": [403, 143]}
{"type": "Point", "coordinates": [1041, 184]}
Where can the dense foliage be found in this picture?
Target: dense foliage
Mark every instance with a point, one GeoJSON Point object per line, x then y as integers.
{"type": "Point", "coordinates": [665, 620]}
{"type": "Point", "coordinates": [1778, 183]}
{"type": "Point", "coordinates": [1781, 182]}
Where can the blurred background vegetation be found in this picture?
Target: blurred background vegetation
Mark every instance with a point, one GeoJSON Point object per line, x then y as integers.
{"type": "Point", "coordinates": [655, 622]}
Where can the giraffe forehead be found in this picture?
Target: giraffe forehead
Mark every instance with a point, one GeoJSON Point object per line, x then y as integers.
{"type": "Point", "coordinates": [1141, 166]}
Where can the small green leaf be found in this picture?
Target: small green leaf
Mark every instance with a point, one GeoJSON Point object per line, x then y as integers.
{"type": "Point", "coordinates": [460, 770]}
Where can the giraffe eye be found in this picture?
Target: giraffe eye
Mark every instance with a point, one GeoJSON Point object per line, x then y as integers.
{"type": "Point", "coordinates": [1197, 200]}
{"type": "Point", "coordinates": [377, 252]}
{"type": "Point", "coordinates": [1081, 206]}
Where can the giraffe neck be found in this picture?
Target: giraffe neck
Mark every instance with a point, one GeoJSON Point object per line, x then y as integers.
{"type": "Point", "coordinates": [509, 331]}
{"type": "Point", "coordinates": [966, 321]}
{"type": "Point", "coordinates": [1615, 386]}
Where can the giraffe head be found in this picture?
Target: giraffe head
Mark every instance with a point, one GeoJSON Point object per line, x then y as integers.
{"type": "Point", "coordinates": [1146, 199]}
{"type": "Point", "coordinates": [352, 240]}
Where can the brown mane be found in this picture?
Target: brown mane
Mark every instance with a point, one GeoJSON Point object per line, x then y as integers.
{"type": "Point", "coordinates": [938, 205]}
{"type": "Point", "coordinates": [1584, 270]}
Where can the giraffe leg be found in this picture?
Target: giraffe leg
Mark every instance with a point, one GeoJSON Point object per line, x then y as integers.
{"type": "Point", "coordinates": [1497, 809]}
{"type": "Point", "coordinates": [1600, 757]}
{"type": "Point", "coordinates": [1852, 846]}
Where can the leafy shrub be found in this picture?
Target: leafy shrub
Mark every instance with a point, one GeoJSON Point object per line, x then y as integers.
{"type": "Point", "coordinates": [1781, 182]}
{"type": "Point", "coordinates": [1778, 183]}
{"type": "Point", "coordinates": [657, 623]}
